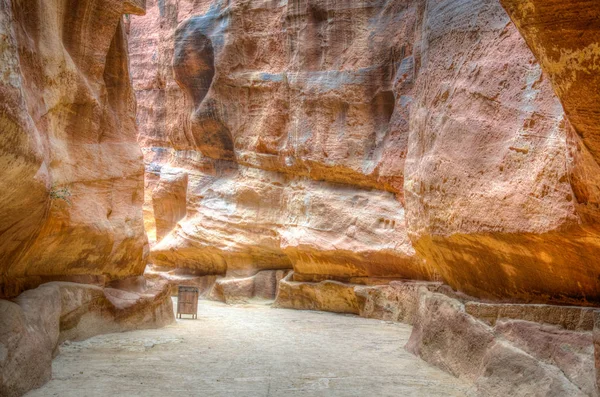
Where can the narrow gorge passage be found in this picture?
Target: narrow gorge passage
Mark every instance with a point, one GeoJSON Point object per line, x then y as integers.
{"type": "Point", "coordinates": [250, 350]}
{"type": "Point", "coordinates": [418, 179]}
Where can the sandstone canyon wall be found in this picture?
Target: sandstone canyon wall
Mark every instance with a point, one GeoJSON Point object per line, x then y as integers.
{"type": "Point", "coordinates": [71, 191]}
{"type": "Point", "coordinates": [494, 169]}
{"type": "Point", "coordinates": [415, 139]}
{"type": "Point", "coordinates": [270, 137]}
{"type": "Point", "coordinates": [563, 35]}
{"type": "Point", "coordinates": [357, 142]}
{"type": "Point", "coordinates": [72, 177]}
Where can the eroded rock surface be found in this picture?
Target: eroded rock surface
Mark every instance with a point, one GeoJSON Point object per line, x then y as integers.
{"type": "Point", "coordinates": [416, 139]}
{"type": "Point", "coordinates": [263, 285]}
{"type": "Point", "coordinates": [385, 300]}
{"type": "Point", "coordinates": [490, 179]}
{"type": "Point", "coordinates": [597, 346]}
{"type": "Point", "coordinates": [294, 155]}
{"type": "Point", "coordinates": [39, 320]}
{"type": "Point", "coordinates": [565, 38]}
{"type": "Point", "coordinates": [515, 358]}
{"type": "Point", "coordinates": [72, 179]}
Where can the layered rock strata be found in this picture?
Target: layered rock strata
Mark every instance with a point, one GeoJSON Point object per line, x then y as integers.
{"type": "Point", "coordinates": [289, 150]}
{"type": "Point", "coordinates": [72, 176]}
{"type": "Point", "coordinates": [38, 321]}
{"type": "Point", "coordinates": [416, 139]}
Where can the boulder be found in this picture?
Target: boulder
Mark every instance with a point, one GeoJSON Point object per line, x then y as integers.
{"type": "Point", "coordinates": [33, 326]}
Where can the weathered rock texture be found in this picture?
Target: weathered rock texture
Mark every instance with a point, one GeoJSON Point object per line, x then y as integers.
{"type": "Point", "coordinates": [71, 191]}
{"type": "Point", "coordinates": [72, 174]}
{"type": "Point", "coordinates": [39, 320]}
{"type": "Point", "coordinates": [414, 139]}
{"type": "Point", "coordinates": [514, 358]}
{"type": "Point", "coordinates": [263, 285]}
{"type": "Point", "coordinates": [181, 277]}
{"type": "Point", "coordinates": [597, 346]}
{"type": "Point", "coordinates": [490, 178]}
{"type": "Point", "coordinates": [393, 301]}
{"type": "Point", "coordinates": [565, 38]}
{"type": "Point", "coordinates": [286, 134]}
{"type": "Point", "coordinates": [503, 350]}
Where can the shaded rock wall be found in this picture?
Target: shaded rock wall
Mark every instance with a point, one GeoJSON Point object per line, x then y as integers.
{"type": "Point", "coordinates": [402, 139]}
{"type": "Point", "coordinates": [516, 358]}
{"type": "Point", "coordinates": [72, 182]}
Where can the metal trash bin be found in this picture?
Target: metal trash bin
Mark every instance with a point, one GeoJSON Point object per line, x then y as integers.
{"type": "Point", "coordinates": [187, 301]}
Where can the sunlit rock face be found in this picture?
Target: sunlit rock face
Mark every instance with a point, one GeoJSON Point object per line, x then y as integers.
{"type": "Point", "coordinates": [565, 38]}
{"type": "Point", "coordinates": [564, 35]}
{"type": "Point", "coordinates": [72, 176]}
{"type": "Point", "coordinates": [412, 139]}
{"type": "Point", "coordinates": [494, 173]}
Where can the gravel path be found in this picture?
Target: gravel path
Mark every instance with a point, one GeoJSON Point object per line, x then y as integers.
{"type": "Point", "coordinates": [250, 350]}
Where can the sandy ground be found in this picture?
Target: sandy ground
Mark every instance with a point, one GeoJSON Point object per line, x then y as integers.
{"type": "Point", "coordinates": [250, 350]}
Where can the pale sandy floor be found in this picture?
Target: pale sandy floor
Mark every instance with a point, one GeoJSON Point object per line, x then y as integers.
{"type": "Point", "coordinates": [250, 350]}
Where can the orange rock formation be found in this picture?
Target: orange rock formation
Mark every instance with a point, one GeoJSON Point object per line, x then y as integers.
{"type": "Point", "coordinates": [72, 178]}
{"type": "Point", "coordinates": [271, 141]}
{"type": "Point", "coordinates": [407, 139]}
{"type": "Point", "coordinates": [356, 142]}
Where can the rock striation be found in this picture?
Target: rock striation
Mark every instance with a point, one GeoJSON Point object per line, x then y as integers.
{"type": "Point", "coordinates": [289, 150]}
{"type": "Point", "coordinates": [72, 182]}
{"type": "Point", "coordinates": [416, 139]}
